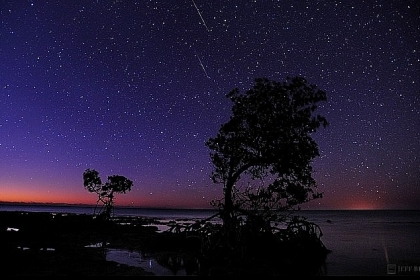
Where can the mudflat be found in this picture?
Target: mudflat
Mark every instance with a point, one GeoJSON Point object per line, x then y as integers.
{"type": "Point", "coordinates": [47, 244]}
{"type": "Point", "coordinates": [60, 244]}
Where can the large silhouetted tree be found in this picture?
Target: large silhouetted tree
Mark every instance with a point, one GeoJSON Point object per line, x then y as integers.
{"type": "Point", "coordinates": [106, 192]}
{"type": "Point", "coordinates": [263, 154]}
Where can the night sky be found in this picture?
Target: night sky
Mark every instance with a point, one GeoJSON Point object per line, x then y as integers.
{"type": "Point", "coordinates": [135, 88]}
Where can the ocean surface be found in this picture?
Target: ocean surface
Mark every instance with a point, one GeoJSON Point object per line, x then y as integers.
{"type": "Point", "coordinates": [363, 242]}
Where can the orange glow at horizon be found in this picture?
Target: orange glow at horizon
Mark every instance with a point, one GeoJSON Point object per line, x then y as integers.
{"type": "Point", "coordinates": [44, 193]}
{"type": "Point", "coordinates": [27, 195]}
{"type": "Point", "coordinates": [364, 206]}
{"type": "Point", "coordinates": [20, 194]}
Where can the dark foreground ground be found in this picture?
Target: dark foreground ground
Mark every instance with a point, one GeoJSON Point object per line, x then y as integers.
{"type": "Point", "coordinates": [43, 244]}
{"type": "Point", "coordinates": [46, 244]}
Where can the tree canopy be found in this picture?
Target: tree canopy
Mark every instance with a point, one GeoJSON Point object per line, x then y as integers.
{"type": "Point", "coordinates": [116, 184]}
{"type": "Point", "coordinates": [267, 141]}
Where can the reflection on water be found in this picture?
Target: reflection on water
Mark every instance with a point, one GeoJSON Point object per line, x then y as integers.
{"type": "Point", "coordinates": [363, 242]}
{"type": "Point", "coordinates": [137, 259]}
{"type": "Point", "coordinates": [172, 265]}
{"type": "Point", "coordinates": [148, 263]}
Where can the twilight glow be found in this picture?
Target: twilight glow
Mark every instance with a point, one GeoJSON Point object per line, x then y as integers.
{"type": "Point", "coordinates": [135, 88]}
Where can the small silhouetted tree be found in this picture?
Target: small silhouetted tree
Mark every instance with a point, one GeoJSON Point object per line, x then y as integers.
{"type": "Point", "coordinates": [116, 184]}
{"type": "Point", "coordinates": [263, 154]}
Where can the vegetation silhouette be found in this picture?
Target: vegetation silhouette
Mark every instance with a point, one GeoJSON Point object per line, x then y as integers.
{"type": "Point", "coordinates": [267, 142]}
{"type": "Point", "coordinates": [116, 184]}
{"type": "Point", "coordinates": [262, 156]}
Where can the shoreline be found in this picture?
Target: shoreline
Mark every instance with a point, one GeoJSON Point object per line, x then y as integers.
{"type": "Point", "coordinates": [63, 244]}
{"type": "Point", "coordinates": [357, 248]}
{"type": "Point", "coordinates": [48, 244]}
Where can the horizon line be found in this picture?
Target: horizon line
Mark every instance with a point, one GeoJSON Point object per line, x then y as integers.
{"type": "Point", "coordinates": [34, 203]}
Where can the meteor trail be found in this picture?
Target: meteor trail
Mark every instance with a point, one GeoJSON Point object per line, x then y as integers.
{"type": "Point", "coordinates": [202, 19]}
{"type": "Point", "coordinates": [202, 66]}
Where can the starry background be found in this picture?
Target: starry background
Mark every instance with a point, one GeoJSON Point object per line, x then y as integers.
{"type": "Point", "coordinates": [135, 88]}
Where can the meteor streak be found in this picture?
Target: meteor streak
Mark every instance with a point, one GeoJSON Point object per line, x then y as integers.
{"type": "Point", "coordinates": [202, 66]}
{"type": "Point", "coordinates": [202, 19]}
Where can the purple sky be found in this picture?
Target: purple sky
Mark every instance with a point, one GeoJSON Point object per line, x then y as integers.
{"type": "Point", "coordinates": [135, 88]}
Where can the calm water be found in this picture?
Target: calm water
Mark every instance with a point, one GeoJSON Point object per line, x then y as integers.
{"type": "Point", "coordinates": [363, 242]}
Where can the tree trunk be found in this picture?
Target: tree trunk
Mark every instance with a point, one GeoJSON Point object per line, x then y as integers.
{"type": "Point", "coordinates": [228, 208]}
